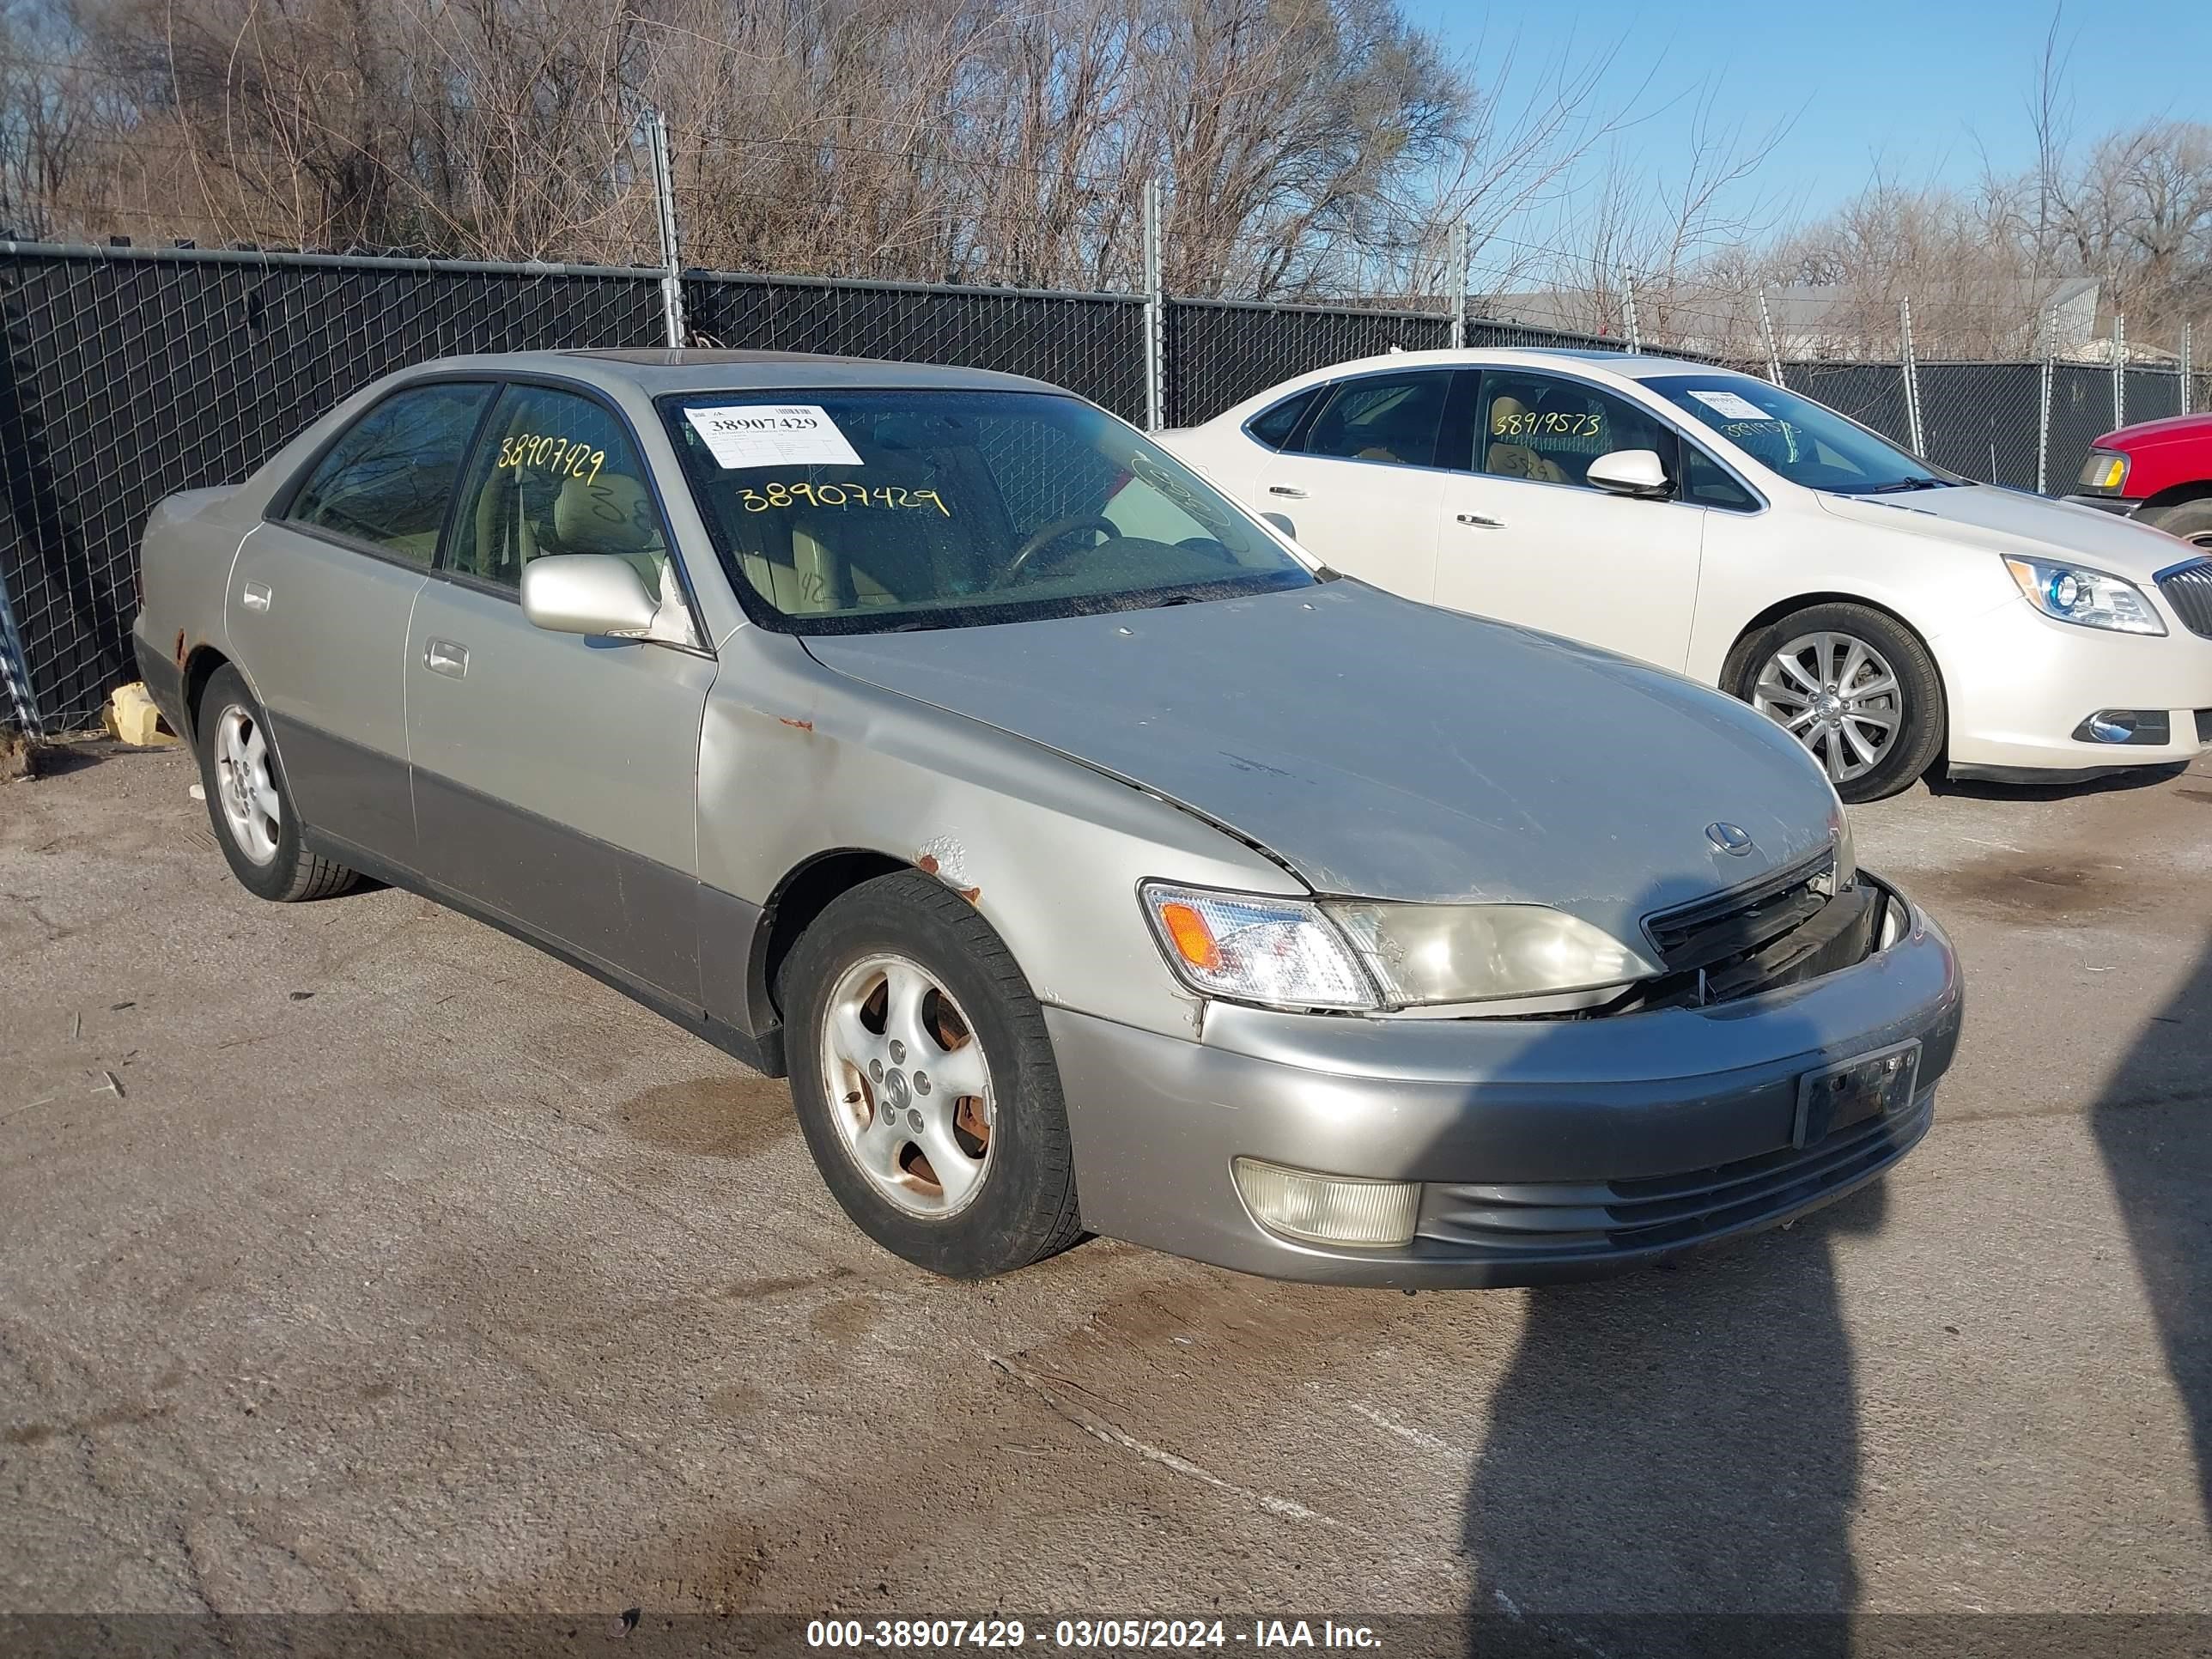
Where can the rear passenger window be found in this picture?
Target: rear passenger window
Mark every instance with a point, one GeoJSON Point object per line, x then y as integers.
{"type": "Point", "coordinates": [556, 472]}
{"type": "Point", "coordinates": [1274, 427]}
{"type": "Point", "coordinates": [387, 481]}
{"type": "Point", "coordinates": [1383, 417]}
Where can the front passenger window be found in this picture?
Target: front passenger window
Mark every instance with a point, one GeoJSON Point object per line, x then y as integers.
{"type": "Point", "coordinates": [556, 473]}
{"type": "Point", "coordinates": [1549, 430]}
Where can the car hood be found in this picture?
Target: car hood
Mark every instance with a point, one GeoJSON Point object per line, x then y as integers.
{"type": "Point", "coordinates": [1382, 749]}
{"type": "Point", "coordinates": [2006, 521]}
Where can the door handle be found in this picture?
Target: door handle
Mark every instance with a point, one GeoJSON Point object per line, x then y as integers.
{"type": "Point", "coordinates": [444, 656]}
{"type": "Point", "coordinates": [255, 596]}
{"type": "Point", "coordinates": [1476, 520]}
{"type": "Point", "coordinates": [1291, 490]}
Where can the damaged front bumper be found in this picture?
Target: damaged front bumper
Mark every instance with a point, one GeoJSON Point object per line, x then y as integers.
{"type": "Point", "coordinates": [1544, 1149]}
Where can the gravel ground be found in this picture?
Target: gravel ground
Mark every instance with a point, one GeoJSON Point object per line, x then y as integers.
{"type": "Point", "coordinates": [399, 1267]}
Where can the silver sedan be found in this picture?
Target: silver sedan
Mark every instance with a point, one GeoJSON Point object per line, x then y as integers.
{"type": "Point", "coordinates": [1088, 857]}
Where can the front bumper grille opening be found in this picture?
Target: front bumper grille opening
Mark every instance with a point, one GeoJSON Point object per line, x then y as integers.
{"type": "Point", "coordinates": [2188, 589]}
{"type": "Point", "coordinates": [1782, 931]}
{"type": "Point", "coordinates": [1538, 1220]}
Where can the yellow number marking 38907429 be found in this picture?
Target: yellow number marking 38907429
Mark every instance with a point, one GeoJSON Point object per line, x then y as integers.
{"type": "Point", "coordinates": [840, 495]}
{"type": "Point", "coordinates": [554, 454]}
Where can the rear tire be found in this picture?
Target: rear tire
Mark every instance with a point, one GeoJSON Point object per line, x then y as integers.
{"type": "Point", "coordinates": [249, 801]}
{"type": "Point", "coordinates": [1855, 686]}
{"type": "Point", "coordinates": [2191, 520]}
{"type": "Point", "coordinates": [924, 1083]}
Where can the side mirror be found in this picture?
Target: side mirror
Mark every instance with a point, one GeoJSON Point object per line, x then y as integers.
{"type": "Point", "coordinates": [1282, 522]}
{"type": "Point", "coordinates": [586, 594]}
{"type": "Point", "coordinates": [1631, 472]}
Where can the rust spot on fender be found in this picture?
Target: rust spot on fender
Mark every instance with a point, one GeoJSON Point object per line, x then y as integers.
{"type": "Point", "coordinates": [180, 648]}
{"type": "Point", "coordinates": [796, 725]}
{"type": "Point", "coordinates": [926, 864]}
{"type": "Point", "coordinates": [971, 894]}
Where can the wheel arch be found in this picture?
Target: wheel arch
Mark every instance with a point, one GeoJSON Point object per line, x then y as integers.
{"type": "Point", "coordinates": [1781, 608]}
{"type": "Point", "coordinates": [803, 893]}
{"type": "Point", "coordinates": [2178, 494]}
{"type": "Point", "coordinates": [200, 666]}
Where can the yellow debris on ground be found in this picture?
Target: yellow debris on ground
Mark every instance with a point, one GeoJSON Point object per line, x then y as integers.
{"type": "Point", "coordinates": [131, 718]}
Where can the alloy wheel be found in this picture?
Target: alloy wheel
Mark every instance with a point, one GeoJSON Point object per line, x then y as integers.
{"type": "Point", "coordinates": [910, 1085]}
{"type": "Point", "coordinates": [246, 785]}
{"type": "Point", "coordinates": [1839, 696]}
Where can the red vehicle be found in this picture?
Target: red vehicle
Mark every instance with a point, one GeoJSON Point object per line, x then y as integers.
{"type": "Point", "coordinates": [2159, 471]}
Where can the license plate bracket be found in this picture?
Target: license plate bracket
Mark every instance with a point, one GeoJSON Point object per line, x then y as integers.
{"type": "Point", "coordinates": [1868, 1085]}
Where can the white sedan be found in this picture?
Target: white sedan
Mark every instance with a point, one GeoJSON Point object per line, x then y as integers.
{"type": "Point", "coordinates": [1895, 617]}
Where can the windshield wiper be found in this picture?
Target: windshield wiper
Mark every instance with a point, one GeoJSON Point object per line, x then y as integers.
{"type": "Point", "coordinates": [1930, 482]}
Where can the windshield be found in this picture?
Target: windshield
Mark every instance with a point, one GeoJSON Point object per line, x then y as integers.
{"type": "Point", "coordinates": [859, 512]}
{"type": "Point", "coordinates": [1806, 442]}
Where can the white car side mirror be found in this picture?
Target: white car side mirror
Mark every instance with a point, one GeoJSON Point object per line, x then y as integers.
{"type": "Point", "coordinates": [1631, 472]}
{"type": "Point", "coordinates": [586, 594]}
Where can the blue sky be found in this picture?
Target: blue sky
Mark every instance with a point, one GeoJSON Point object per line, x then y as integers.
{"type": "Point", "coordinates": [1923, 89]}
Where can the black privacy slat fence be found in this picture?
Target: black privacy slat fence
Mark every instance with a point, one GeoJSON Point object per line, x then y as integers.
{"type": "Point", "coordinates": [130, 373]}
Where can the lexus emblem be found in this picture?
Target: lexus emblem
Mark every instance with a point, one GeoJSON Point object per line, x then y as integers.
{"type": "Point", "coordinates": [1729, 838]}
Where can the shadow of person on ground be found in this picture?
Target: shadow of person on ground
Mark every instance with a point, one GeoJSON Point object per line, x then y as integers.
{"type": "Point", "coordinates": [2153, 1125]}
{"type": "Point", "coordinates": [1672, 1461]}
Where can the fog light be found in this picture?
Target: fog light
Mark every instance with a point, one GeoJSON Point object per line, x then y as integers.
{"type": "Point", "coordinates": [2136, 726]}
{"type": "Point", "coordinates": [1329, 1209]}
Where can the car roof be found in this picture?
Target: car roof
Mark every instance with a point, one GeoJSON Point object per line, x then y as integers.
{"type": "Point", "coordinates": [655, 370]}
{"type": "Point", "coordinates": [1628, 365]}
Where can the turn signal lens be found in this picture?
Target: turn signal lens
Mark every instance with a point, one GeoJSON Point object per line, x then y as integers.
{"type": "Point", "coordinates": [1329, 1209]}
{"type": "Point", "coordinates": [1192, 939]}
{"type": "Point", "coordinates": [2103, 472]}
{"type": "Point", "coordinates": [1281, 952]}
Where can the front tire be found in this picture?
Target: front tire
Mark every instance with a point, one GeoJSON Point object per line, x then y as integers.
{"type": "Point", "coordinates": [1855, 686]}
{"type": "Point", "coordinates": [924, 1083]}
{"type": "Point", "coordinates": [248, 800]}
{"type": "Point", "coordinates": [2191, 520]}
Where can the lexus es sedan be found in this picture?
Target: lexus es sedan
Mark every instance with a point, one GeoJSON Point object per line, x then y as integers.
{"type": "Point", "coordinates": [1088, 857]}
{"type": "Point", "coordinates": [1894, 617]}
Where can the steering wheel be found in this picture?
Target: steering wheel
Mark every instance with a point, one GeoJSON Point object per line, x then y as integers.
{"type": "Point", "coordinates": [1051, 533]}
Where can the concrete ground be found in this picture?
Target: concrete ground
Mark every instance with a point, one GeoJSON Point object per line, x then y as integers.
{"type": "Point", "coordinates": [400, 1267]}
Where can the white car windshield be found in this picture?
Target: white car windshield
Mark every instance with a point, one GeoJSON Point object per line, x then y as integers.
{"type": "Point", "coordinates": [1806, 442]}
{"type": "Point", "coordinates": [859, 512]}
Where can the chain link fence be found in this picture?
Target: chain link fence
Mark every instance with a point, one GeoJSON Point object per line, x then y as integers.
{"type": "Point", "coordinates": [131, 373]}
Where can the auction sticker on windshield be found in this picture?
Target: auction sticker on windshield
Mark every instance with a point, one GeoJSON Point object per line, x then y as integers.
{"type": "Point", "coordinates": [771, 435]}
{"type": "Point", "coordinates": [1729, 406]}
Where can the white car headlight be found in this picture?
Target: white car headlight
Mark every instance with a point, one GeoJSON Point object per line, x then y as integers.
{"type": "Point", "coordinates": [2090, 597]}
{"type": "Point", "coordinates": [1360, 955]}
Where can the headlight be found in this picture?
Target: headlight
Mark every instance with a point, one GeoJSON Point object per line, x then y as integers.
{"type": "Point", "coordinates": [1433, 953]}
{"type": "Point", "coordinates": [2088, 597]}
{"type": "Point", "coordinates": [2104, 473]}
{"type": "Point", "coordinates": [1355, 954]}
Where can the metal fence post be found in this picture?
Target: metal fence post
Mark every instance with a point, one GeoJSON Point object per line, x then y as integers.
{"type": "Point", "coordinates": [1628, 297]}
{"type": "Point", "coordinates": [1155, 315]}
{"type": "Point", "coordinates": [663, 193]}
{"type": "Point", "coordinates": [2188, 369]}
{"type": "Point", "coordinates": [1766, 335]}
{"type": "Point", "coordinates": [14, 671]}
{"type": "Point", "coordinates": [2119, 368]}
{"type": "Point", "coordinates": [1911, 367]}
{"type": "Point", "coordinates": [2047, 385]}
{"type": "Point", "coordinates": [1458, 257]}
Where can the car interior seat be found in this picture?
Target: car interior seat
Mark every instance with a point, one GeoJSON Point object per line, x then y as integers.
{"type": "Point", "coordinates": [1507, 456]}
